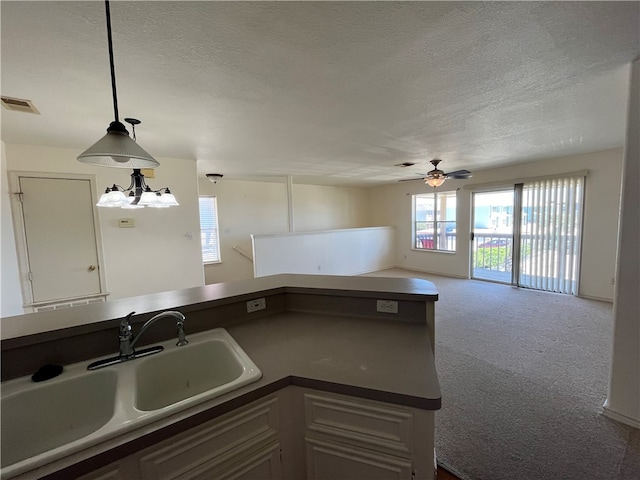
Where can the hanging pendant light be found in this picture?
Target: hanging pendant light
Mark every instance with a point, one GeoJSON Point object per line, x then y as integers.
{"type": "Point", "coordinates": [116, 148]}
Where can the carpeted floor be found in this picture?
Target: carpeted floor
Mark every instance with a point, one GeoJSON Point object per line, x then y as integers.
{"type": "Point", "coordinates": [524, 375]}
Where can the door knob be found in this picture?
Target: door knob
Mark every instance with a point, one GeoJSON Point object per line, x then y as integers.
{"type": "Point", "coordinates": [92, 268]}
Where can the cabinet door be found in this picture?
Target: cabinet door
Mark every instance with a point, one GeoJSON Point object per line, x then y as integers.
{"type": "Point", "coordinates": [333, 461]}
{"type": "Point", "coordinates": [264, 464]}
{"type": "Point", "coordinates": [214, 445]}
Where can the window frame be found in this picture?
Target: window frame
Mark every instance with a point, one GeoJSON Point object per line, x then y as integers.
{"type": "Point", "coordinates": [215, 230]}
{"type": "Point", "coordinates": [436, 198]}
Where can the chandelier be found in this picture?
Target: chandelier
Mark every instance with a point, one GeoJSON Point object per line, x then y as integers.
{"type": "Point", "coordinates": [140, 195]}
{"type": "Point", "coordinates": [118, 150]}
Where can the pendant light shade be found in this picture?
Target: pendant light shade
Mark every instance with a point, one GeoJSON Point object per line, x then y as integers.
{"type": "Point", "coordinates": [117, 149]}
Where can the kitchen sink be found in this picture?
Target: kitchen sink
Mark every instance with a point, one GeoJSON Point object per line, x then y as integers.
{"type": "Point", "coordinates": [45, 421]}
{"type": "Point", "coordinates": [201, 369]}
{"type": "Point", "coordinates": [55, 413]}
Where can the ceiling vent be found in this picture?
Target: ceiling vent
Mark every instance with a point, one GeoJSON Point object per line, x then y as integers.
{"type": "Point", "coordinates": [19, 105]}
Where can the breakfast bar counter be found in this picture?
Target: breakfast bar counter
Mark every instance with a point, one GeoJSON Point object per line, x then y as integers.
{"type": "Point", "coordinates": [323, 335]}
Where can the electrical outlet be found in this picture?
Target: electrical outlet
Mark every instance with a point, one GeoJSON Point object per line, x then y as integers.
{"type": "Point", "coordinates": [257, 304]}
{"type": "Point", "coordinates": [387, 306]}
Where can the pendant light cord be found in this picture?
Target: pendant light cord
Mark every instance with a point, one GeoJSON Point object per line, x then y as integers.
{"type": "Point", "coordinates": [113, 70]}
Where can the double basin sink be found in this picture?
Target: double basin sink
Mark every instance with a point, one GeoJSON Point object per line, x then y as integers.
{"type": "Point", "coordinates": [45, 421]}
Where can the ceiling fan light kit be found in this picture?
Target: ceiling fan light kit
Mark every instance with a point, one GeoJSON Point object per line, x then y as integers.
{"type": "Point", "coordinates": [118, 150]}
{"type": "Point", "coordinates": [436, 177]}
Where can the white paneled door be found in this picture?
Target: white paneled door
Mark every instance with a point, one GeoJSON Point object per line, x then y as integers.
{"type": "Point", "coordinates": [61, 258]}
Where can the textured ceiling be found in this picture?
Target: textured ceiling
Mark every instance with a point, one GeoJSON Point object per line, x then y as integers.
{"type": "Point", "coordinates": [328, 92]}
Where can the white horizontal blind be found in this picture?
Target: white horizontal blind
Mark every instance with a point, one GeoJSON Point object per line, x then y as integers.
{"type": "Point", "coordinates": [551, 230]}
{"type": "Point", "coordinates": [209, 230]}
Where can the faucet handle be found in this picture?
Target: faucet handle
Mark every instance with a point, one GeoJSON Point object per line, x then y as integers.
{"type": "Point", "coordinates": [125, 325]}
{"type": "Point", "coordinates": [182, 339]}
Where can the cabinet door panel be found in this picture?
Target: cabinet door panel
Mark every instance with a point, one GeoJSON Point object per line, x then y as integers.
{"type": "Point", "coordinates": [210, 445]}
{"type": "Point", "coordinates": [262, 465]}
{"type": "Point", "coordinates": [333, 461]}
{"type": "Point", "coordinates": [384, 427]}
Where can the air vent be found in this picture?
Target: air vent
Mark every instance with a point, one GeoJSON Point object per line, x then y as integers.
{"type": "Point", "coordinates": [404, 164]}
{"type": "Point", "coordinates": [19, 105]}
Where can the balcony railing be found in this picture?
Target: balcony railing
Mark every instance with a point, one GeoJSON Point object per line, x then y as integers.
{"type": "Point", "coordinates": [493, 252]}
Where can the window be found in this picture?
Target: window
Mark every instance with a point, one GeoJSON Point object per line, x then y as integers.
{"type": "Point", "coordinates": [209, 230]}
{"type": "Point", "coordinates": [434, 221]}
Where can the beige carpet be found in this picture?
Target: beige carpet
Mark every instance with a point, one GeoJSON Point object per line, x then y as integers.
{"type": "Point", "coordinates": [523, 376]}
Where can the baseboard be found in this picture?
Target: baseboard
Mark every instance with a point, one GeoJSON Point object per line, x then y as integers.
{"type": "Point", "coordinates": [619, 417]}
{"type": "Point", "coordinates": [598, 299]}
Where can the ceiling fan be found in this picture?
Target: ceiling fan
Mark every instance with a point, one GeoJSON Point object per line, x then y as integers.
{"type": "Point", "coordinates": [436, 177]}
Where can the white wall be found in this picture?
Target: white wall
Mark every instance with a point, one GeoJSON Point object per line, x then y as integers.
{"type": "Point", "coordinates": [11, 295]}
{"type": "Point", "coordinates": [255, 208]}
{"type": "Point", "coordinates": [623, 400]}
{"type": "Point", "coordinates": [392, 206]}
{"type": "Point", "coordinates": [329, 252]}
{"type": "Point", "coordinates": [157, 254]}
{"type": "Point", "coordinates": [327, 208]}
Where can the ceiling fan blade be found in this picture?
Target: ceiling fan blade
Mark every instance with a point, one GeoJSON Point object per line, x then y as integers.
{"type": "Point", "coordinates": [421, 177]}
{"type": "Point", "coordinates": [461, 174]}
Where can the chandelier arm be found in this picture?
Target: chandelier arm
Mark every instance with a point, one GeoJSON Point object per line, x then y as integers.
{"type": "Point", "coordinates": [111, 64]}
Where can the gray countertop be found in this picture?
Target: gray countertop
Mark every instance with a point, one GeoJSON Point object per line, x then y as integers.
{"type": "Point", "coordinates": [87, 316]}
{"type": "Point", "coordinates": [378, 359]}
{"type": "Point", "coordinates": [384, 359]}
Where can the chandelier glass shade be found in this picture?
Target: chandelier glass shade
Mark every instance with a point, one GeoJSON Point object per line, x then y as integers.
{"type": "Point", "coordinates": [140, 195]}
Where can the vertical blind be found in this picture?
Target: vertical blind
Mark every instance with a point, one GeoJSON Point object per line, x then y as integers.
{"type": "Point", "coordinates": [551, 228]}
{"type": "Point", "coordinates": [209, 229]}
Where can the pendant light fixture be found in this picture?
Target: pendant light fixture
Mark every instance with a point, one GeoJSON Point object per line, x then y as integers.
{"type": "Point", "coordinates": [116, 148]}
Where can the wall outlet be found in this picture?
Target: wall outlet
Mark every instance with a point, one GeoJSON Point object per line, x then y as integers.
{"type": "Point", "coordinates": [257, 304]}
{"type": "Point", "coordinates": [387, 306]}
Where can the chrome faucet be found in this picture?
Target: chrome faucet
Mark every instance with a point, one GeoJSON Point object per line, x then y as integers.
{"type": "Point", "coordinates": [128, 341]}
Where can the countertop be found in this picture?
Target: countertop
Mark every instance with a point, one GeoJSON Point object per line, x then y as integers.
{"type": "Point", "coordinates": [377, 359]}
{"type": "Point", "coordinates": [380, 359]}
{"type": "Point", "coordinates": [200, 297]}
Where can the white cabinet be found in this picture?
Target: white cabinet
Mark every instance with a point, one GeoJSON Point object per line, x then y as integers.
{"type": "Point", "coordinates": [351, 438]}
{"type": "Point", "coordinates": [295, 434]}
{"type": "Point", "coordinates": [240, 445]}
{"type": "Point", "coordinates": [232, 446]}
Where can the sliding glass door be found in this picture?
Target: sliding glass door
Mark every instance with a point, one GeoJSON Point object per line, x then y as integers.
{"type": "Point", "coordinates": [492, 245]}
{"type": "Point", "coordinates": [530, 235]}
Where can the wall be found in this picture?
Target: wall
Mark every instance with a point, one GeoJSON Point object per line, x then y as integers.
{"type": "Point", "coordinates": [157, 255]}
{"type": "Point", "coordinates": [248, 208]}
{"type": "Point", "coordinates": [392, 206]}
{"type": "Point", "coordinates": [350, 251]}
{"type": "Point", "coordinates": [328, 208]}
{"type": "Point", "coordinates": [623, 400]}
{"type": "Point", "coordinates": [11, 299]}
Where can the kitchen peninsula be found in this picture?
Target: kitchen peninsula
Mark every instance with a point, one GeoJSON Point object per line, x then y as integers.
{"type": "Point", "coordinates": [348, 380]}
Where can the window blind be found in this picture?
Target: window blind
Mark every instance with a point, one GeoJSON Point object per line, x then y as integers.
{"type": "Point", "coordinates": [551, 228]}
